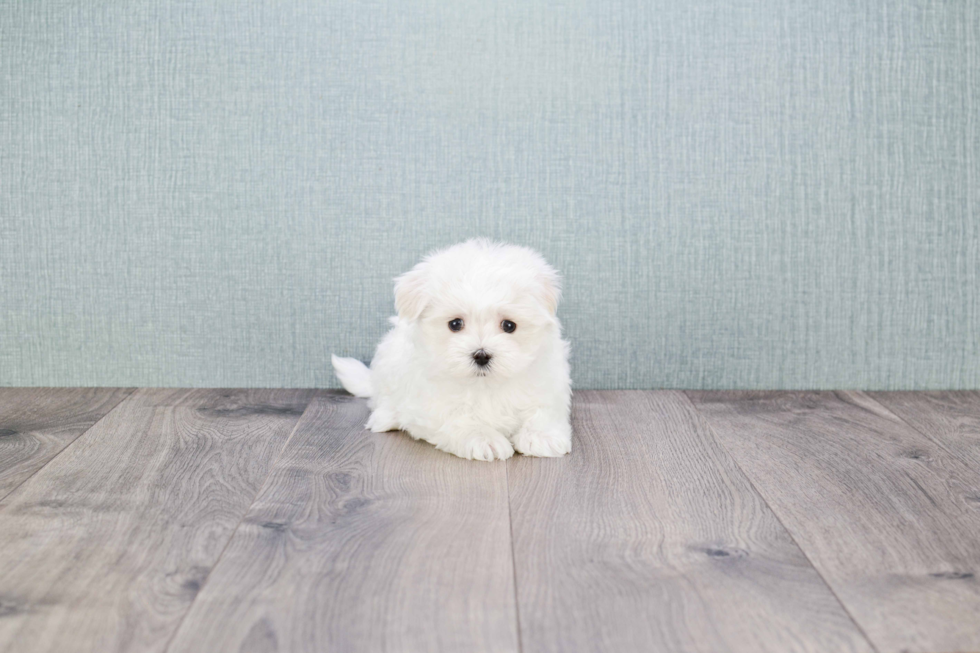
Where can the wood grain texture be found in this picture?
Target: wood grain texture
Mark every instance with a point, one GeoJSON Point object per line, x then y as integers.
{"type": "Point", "coordinates": [647, 537]}
{"type": "Point", "coordinates": [105, 548]}
{"type": "Point", "coordinates": [37, 423]}
{"type": "Point", "coordinates": [887, 516]}
{"type": "Point", "coordinates": [363, 542]}
{"type": "Point", "coordinates": [949, 419]}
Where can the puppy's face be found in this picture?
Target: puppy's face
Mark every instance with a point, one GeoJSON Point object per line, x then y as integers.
{"type": "Point", "coordinates": [469, 337]}
{"type": "Point", "coordinates": [483, 310]}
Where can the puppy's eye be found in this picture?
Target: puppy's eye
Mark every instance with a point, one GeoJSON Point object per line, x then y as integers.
{"type": "Point", "coordinates": [456, 324]}
{"type": "Point", "coordinates": [508, 326]}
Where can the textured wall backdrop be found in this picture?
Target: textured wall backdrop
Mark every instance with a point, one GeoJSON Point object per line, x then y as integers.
{"type": "Point", "coordinates": [763, 193]}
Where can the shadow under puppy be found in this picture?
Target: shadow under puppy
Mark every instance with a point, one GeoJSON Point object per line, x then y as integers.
{"type": "Point", "coordinates": [475, 363]}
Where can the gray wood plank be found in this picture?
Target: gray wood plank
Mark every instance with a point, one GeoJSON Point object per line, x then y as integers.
{"type": "Point", "coordinates": [647, 537]}
{"type": "Point", "coordinates": [888, 517]}
{"type": "Point", "coordinates": [105, 548]}
{"type": "Point", "coordinates": [949, 419]}
{"type": "Point", "coordinates": [363, 542]}
{"type": "Point", "coordinates": [37, 423]}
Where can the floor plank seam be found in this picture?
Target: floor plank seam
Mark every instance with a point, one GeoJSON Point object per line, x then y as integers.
{"type": "Point", "coordinates": [513, 558]}
{"type": "Point", "coordinates": [123, 399]}
{"type": "Point", "coordinates": [929, 438]}
{"type": "Point", "coordinates": [779, 519]}
{"type": "Point", "coordinates": [681, 522]}
{"type": "Point", "coordinates": [234, 532]}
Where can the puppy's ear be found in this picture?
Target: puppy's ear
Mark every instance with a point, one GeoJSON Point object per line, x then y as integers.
{"type": "Point", "coordinates": [410, 292]}
{"type": "Point", "coordinates": [549, 288]}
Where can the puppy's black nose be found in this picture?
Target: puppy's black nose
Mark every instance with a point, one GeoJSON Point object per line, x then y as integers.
{"type": "Point", "coordinates": [481, 357]}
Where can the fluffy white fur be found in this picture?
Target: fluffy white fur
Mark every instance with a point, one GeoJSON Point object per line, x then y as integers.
{"type": "Point", "coordinates": [425, 380]}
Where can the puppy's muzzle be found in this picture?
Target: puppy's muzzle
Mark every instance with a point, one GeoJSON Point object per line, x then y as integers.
{"type": "Point", "coordinates": [481, 357]}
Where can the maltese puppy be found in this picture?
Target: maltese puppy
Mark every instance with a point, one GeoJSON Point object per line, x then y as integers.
{"type": "Point", "coordinates": [475, 363]}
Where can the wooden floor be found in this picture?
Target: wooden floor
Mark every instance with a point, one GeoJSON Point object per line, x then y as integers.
{"type": "Point", "coordinates": [268, 520]}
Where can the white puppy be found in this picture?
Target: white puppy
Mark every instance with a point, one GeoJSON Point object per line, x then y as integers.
{"type": "Point", "coordinates": [475, 363]}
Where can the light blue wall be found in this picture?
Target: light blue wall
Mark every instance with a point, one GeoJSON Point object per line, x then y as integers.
{"type": "Point", "coordinates": [768, 193]}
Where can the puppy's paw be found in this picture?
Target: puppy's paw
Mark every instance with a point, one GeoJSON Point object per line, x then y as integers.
{"type": "Point", "coordinates": [485, 444]}
{"type": "Point", "coordinates": [550, 442]}
{"type": "Point", "coordinates": [382, 420]}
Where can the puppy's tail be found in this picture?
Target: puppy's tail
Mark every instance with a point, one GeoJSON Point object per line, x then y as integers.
{"type": "Point", "coordinates": [354, 375]}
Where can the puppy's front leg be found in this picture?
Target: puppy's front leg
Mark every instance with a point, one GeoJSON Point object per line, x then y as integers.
{"type": "Point", "coordinates": [472, 441]}
{"type": "Point", "coordinates": [546, 433]}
